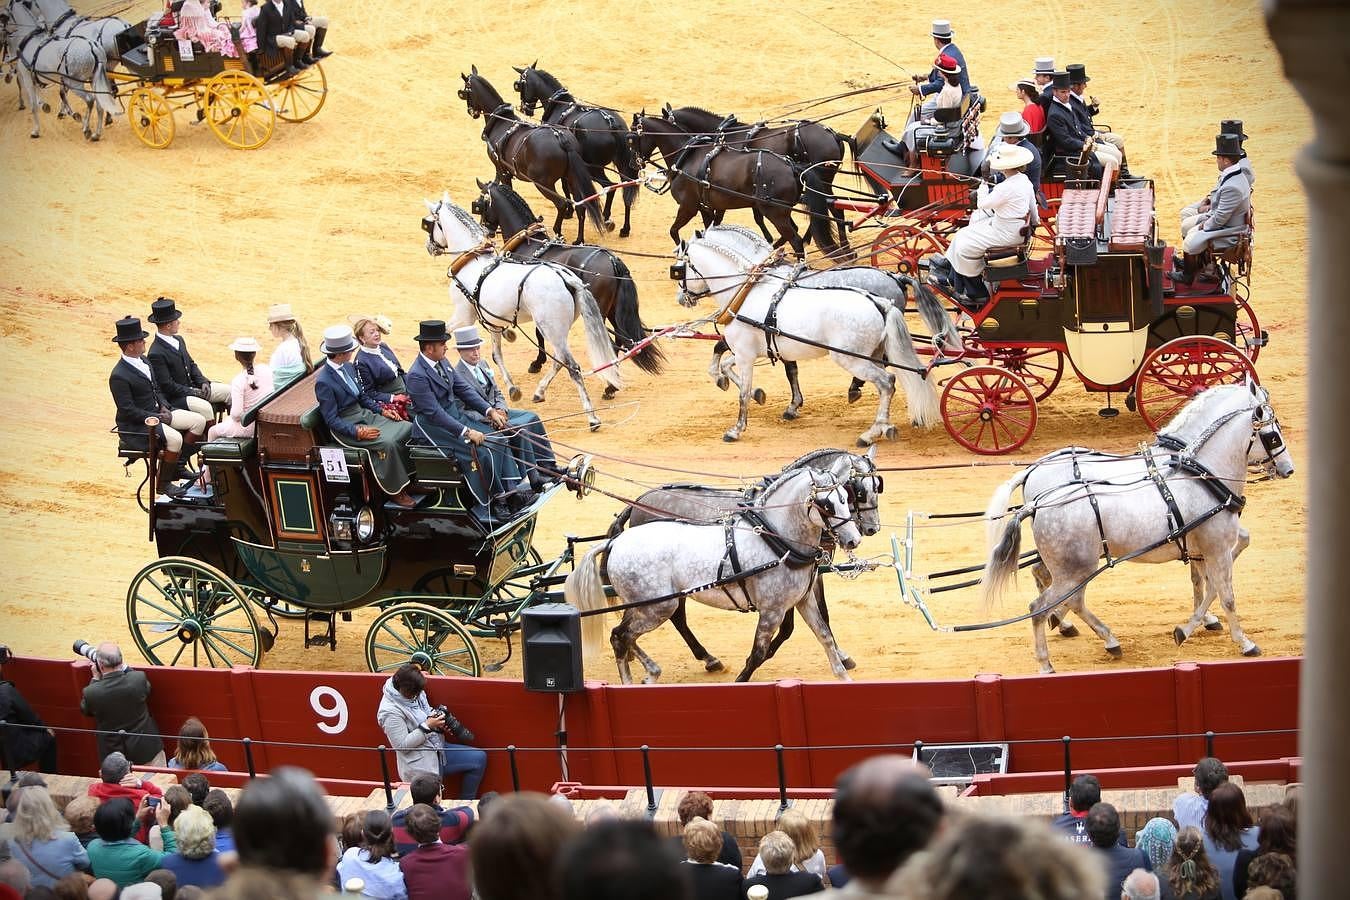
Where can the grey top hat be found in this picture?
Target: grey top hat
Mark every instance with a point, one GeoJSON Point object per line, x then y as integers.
{"type": "Point", "coordinates": [1011, 124]}
{"type": "Point", "coordinates": [467, 338]}
{"type": "Point", "coordinates": [1045, 65]}
{"type": "Point", "coordinates": [337, 339]}
{"type": "Point", "coordinates": [942, 29]}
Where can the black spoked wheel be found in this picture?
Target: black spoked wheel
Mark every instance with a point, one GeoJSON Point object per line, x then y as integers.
{"type": "Point", "coordinates": [415, 632]}
{"type": "Point", "coordinates": [182, 612]}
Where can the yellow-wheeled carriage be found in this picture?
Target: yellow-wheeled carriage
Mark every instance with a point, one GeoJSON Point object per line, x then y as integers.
{"type": "Point", "coordinates": [239, 97]}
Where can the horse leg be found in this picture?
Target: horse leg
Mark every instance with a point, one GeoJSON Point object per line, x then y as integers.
{"type": "Point", "coordinates": [636, 623]}
{"type": "Point", "coordinates": [855, 389]}
{"type": "Point", "coordinates": [1244, 540]}
{"type": "Point", "coordinates": [759, 220]}
{"type": "Point", "coordinates": [537, 365]}
{"type": "Point", "coordinates": [759, 651]}
{"type": "Point", "coordinates": [1220, 574]}
{"type": "Point", "coordinates": [787, 227]}
{"type": "Point", "coordinates": [784, 632]}
{"type": "Point", "coordinates": [747, 386]}
{"type": "Point", "coordinates": [1041, 645]}
{"type": "Point", "coordinates": [1078, 603]}
{"type": "Point", "coordinates": [681, 623]}
{"type": "Point", "coordinates": [630, 195]}
{"type": "Point", "coordinates": [600, 178]}
{"type": "Point", "coordinates": [511, 390]}
{"type": "Point", "coordinates": [794, 407]}
{"type": "Point", "coordinates": [545, 382]}
{"type": "Point", "coordinates": [682, 217]}
{"type": "Point", "coordinates": [818, 591]}
{"type": "Point", "coordinates": [1059, 618]}
{"type": "Point", "coordinates": [715, 365]}
{"type": "Point", "coordinates": [653, 670]}
{"type": "Point", "coordinates": [1204, 594]}
{"type": "Point", "coordinates": [810, 611]}
{"type": "Point", "coordinates": [622, 642]}
{"type": "Point", "coordinates": [885, 385]}
{"type": "Point", "coordinates": [564, 355]}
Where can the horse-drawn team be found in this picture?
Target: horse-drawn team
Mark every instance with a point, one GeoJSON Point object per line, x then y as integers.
{"type": "Point", "coordinates": [763, 551]}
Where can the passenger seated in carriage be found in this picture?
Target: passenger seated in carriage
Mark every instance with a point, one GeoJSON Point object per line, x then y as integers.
{"type": "Point", "coordinates": [283, 37]}
{"type": "Point", "coordinates": [949, 97]}
{"type": "Point", "coordinates": [356, 421]}
{"type": "Point", "coordinates": [197, 24]}
{"type": "Point", "coordinates": [188, 391]}
{"type": "Point", "coordinates": [1072, 136]}
{"type": "Point", "coordinates": [1221, 218]}
{"type": "Point", "coordinates": [139, 401]}
{"type": "Point", "coordinates": [1013, 130]}
{"type": "Point", "coordinates": [1029, 94]}
{"type": "Point", "coordinates": [377, 368]}
{"type": "Point", "coordinates": [291, 359]}
{"type": "Point", "coordinates": [246, 389]}
{"type": "Point", "coordinates": [1001, 216]}
{"type": "Point", "coordinates": [942, 39]}
{"type": "Point", "coordinates": [1086, 107]}
{"type": "Point", "coordinates": [248, 31]}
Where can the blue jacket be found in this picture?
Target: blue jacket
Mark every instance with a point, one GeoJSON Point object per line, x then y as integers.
{"type": "Point", "coordinates": [370, 373]}
{"type": "Point", "coordinates": [441, 402]}
{"type": "Point", "coordinates": [935, 78]}
{"type": "Point", "coordinates": [335, 395]}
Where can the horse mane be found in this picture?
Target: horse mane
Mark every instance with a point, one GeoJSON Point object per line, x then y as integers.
{"type": "Point", "coordinates": [750, 242]}
{"type": "Point", "coordinates": [731, 253]}
{"type": "Point", "coordinates": [549, 81]}
{"type": "Point", "coordinates": [475, 230]}
{"type": "Point", "coordinates": [1197, 414]}
{"type": "Point", "coordinates": [488, 89]}
{"type": "Point", "coordinates": [504, 194]}
{"type": "Point", "coordinates": [806, 459]}
{"type": "Point", "coordinates": [698, 111]}
{"type": "Point", "coordinates": [772, 487]}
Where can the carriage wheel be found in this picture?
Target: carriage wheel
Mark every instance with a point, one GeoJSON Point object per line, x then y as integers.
{"type": "Point", "coordinates": [462, 594]}
{"type": "Point", "coordinates": [1180, 369]}
{"type": "Point", "coordinates": [988, 410]}
{"type": "Point", "coordinates": [151, 118]}
{"type": "Point", "coordinates": [1040, 367]}
{"type": "Point", "coordinates": [424, 635]}
{"type": "Point", "coordinates": [300, 98]}
{"type": "Point", "coordinates": [185, 613]}
{"type": "Point", "coordinates": [239, 110]}
{"type": "Point", "coordinates": [901, 247]}
{"type": "Point", "coordinates": [1249, 338]}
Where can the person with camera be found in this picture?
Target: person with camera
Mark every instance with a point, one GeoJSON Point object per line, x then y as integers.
{"type": "Point", "coordinates": [116, 699]}
{"type": "Point", "coordinates": [25, 738]}
{"type": "Point", "coordinates": [421, 734]}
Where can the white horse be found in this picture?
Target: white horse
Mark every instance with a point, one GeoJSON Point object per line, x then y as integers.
{"type": "Point", "coordinates": [74, 64]}
{"type": "Point", "coordinates": [1086, 505]}
{"type": "Point", "coordinates": [503, 294]}
{"type": "Point", "coordinates": [776, 541]}
{"type": "Point", "coordinates": [849, 325]}
{"type": "Point", "coordinates": [63, 21]}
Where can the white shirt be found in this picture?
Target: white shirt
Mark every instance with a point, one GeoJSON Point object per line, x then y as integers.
{"type": "Point", "coordinates": [138, 364]}
{"type": "Point", "coordinates": [168, 339]}
{"type": "Point", "coordinates": [287, 355]}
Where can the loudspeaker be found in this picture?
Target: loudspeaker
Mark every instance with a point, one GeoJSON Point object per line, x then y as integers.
{"type": "Point", "coordinates": [551, 643]}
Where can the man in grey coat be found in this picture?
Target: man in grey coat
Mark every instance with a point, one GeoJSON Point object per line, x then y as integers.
{"type": "Point", "coordinates": [1222, 216]}
{"type": "Point", "coordinates": [116, 699]}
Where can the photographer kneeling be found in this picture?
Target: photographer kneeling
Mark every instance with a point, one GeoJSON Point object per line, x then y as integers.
{"type": "Point", "coordinates": [421, 733]}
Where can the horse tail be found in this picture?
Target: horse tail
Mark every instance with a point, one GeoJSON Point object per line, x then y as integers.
{"type": "Point", "coordinates": [932, 312]}
{"type": "Point", "coordinates": [847, 140]}
{"type": "Point", "coordinates": [628, 325]}
{"type": "Point", "coordinates": [620, 522]}
{"type": "Point", "coordinates": [584, 590]}
{"type": "Point", "coordinates": [819, 229]}
{"type": "Point", "coordinates": [598, 345]}
{"type": "Point", "coordinates": [103, 86]}
{"type": "Point", "coordinates": [920, 395]}
{"type": "Point", "coordinates": [582, 187]}
{"type": "Point", "coordinates": [1004, 539]}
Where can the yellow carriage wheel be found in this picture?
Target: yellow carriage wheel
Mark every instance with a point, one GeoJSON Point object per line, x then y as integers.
{"type": "Point", "coordinates": [151, 117]}
{"type": "Point", "coordinates": [239, 110]}
{"type": "Point", "coordinates": [299, 99]}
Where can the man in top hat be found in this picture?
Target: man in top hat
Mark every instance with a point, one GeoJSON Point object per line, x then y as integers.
{"type": "Point", "coordinates": [1234, 126]}
{"type": "Point", "coordinates": [182, 382]}
{"type": "Point", "coordinates": [140, 401]}
{"type": "Point", "coordinates": [442, 404]}
{"type": "Point", "coordinates": [1013, 130]}
{"type": "Point", "coordinates": [356, 421]}
{"type": "Point", "coordinates": [1225, 214]}
{"type": "Point", "coordinates": [1069, 136]}
{"type": "Point", "coordinates": [942, 39]}
{"type": "Point", "coordinates": [1086, 107]}
{"type": "Point", "coordinates": [1043, 75]}
{"type": "Point", "coordinates": [529, 440]}
{"type": "Point", "coordinates": [1029, 94]}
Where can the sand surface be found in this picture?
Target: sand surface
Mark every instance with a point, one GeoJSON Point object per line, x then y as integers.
{"type": "Point", "coordinates": [325, 217]}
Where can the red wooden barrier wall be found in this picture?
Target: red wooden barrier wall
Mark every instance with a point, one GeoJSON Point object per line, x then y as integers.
{"type": "Point", "coordinates": [714, 735]}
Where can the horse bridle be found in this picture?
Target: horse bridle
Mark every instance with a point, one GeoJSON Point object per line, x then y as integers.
{"type": "Point", "coordinates": [1266, 429]}
{"type": "Point", "coordinates": [825, 506]}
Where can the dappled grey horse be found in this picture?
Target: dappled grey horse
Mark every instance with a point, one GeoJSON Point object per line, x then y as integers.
{"type": "Point", "coordinates": [73, 64]}
{"type": "Point", "coordinates": [1178, 498]}
{"type": "Point", "coordinates": [704, 505]}
{"type": "Point", "coordinates": [763, 558]}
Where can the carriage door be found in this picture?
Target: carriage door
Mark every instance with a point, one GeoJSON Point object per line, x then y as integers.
{"type": "Point", "coordinates": [1105, 343]}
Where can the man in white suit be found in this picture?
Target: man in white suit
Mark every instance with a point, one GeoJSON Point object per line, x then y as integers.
{"type": "Point", "coordinates": [529, 441]}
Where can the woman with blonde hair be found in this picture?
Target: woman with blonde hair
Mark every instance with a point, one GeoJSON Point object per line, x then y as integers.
{"type": "Point", "coordinates": [42, 841]}
{"type": "Point", "coordinates": [807, 855]}
{"type": "Point", "coordinates": [1189, 873]}
{"type": "Point", "coordinates": [194, 749]}
{"type": "Point", "coordinates": [291, 359]}
{"type": "Point", "coordinates": [377, 368]}
{"type": "Point", "coordinates": [197, 861]}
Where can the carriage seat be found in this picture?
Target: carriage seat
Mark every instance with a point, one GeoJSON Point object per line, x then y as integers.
{"type": "Point", "coordinates": [228, 450]}
{"type": "Point", "coordinates": [1131, 222]}
{"type": "Point", "coordinates": [1009, 263]}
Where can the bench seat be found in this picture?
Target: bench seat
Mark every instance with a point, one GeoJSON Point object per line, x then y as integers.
{"type": "Point", "coordinates": [228, 449]}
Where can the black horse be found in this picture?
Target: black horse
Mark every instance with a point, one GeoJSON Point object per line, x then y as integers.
{"type": "Point", "coordinates": [500, 208]}
{"type": "Point", "coordinates": [817, 147]}
{"type": "Point", "coordinates": [542, 154]}
{"type": "Point", "coordinates": [710, 178]}
{"type": "Point", "coordinates": [602, 135]}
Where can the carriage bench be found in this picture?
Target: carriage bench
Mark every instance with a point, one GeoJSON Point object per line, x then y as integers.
{"type": "Point", "coordinates": [227, 450]}
{"type": "Point", "coordinates": [1130, 225]}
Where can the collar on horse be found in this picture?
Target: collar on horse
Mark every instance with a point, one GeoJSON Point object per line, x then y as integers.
{"type": "Point", "coordinates": [535, 231]}
{"type": "Point", "coordinates": [728, 313]}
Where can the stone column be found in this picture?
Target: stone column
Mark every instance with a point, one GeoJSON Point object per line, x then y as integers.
{"type": "Point", "coordinates": [1313, 37]}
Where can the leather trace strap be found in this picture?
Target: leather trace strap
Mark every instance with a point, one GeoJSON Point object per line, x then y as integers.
{"type": "Point", "coordinates": [728, 313]}
{"type": "Point", "coordinates": [533, 231]}
{"type": "Point", "coordinates": [1175, 520]}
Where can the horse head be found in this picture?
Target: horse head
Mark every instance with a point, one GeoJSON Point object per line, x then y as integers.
{"type": "Point", "coordinates": [828, 507]}
{"type": "Point", "coordinates": [1267, 450]}
{"type": "Point", "coordinates": [478, 94]}
{"type": "Point", "coordinates": [864, 488]}
{"type": "Point", "coordinates": [485, 208]}
{"type": "Point", "coordinates": [531, 87]}
{"type": "Point", "coordinates": [449, 229]}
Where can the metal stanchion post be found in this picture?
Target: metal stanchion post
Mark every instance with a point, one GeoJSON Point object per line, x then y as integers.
{"type": "Point", "coordinates": [384, 773]}
{"type": "Point", "coordinates": [515, 772]}
{"type": "Point", "coordinates": [248, 757]}
{"type": "Point", "coordinates": [1068, 770]}
{"type": "Point", "coordinates": [782, 778]}
{"type": "Point", "coordinates": [647, 778]}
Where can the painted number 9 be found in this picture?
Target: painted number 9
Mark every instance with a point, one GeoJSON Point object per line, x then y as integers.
{"type": "Point", "coordinates": [335, 708]}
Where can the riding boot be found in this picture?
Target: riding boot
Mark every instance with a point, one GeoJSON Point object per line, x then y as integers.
{"type": "Point", "coordinates": [317, 50]}
{"type": "Point", "coordinates": [1190, 265]}
{"type": "Point", "coordinates": [288, 58]}
{"type": "Point", "coordinates": [168, 470]}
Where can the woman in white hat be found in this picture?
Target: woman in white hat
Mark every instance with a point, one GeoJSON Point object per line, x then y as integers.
{"type": "Point", "coordinates": [1001, 214]}
{"type": "Point", "coordinates": [247, 388]}
{"type": "Point", "coordinates": [291, 359]}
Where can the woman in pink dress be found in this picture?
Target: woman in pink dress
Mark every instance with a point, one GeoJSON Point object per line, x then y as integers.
{"type": "Point", "coordinates": [195, 23]}
{"type": "Point", "coordinates": [248, 26]}
{"type": "Point", "coordinates": [248, 387]}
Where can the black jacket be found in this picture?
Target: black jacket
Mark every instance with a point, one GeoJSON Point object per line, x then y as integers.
{"type": "Point", "coordinates": [1066, 131]}
{"type": "Point", "coordinates": [22, 745]}
{"type": "Point", "coordinates": [271, 23]}
{"type": "Point", "coordinates": [714, 881]}
{"type": "Point", "coordinates": [137, 398]}
{"type": "Point", "coordinates": [117, 703]}
{"type": "Point", "coordinates": [175, 370]}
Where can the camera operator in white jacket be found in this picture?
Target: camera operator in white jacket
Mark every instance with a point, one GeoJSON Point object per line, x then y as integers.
{"type": "Point", "coordinates": [421, 734]}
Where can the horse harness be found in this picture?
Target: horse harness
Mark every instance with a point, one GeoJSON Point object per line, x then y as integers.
{"type": "Point", "coordinates": [497, 153]}
{"type": "Point", "coordinates": [732, 310]}
{"type": "Point", "coordinates": [481, 248]}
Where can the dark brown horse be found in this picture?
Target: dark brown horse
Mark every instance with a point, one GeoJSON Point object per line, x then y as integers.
{"type": "Point", "coordinates": [542, 154]}
{"type": "Point", "coordinates": [709, 178]}
{"type": "Point", "coordinates": [817, 147]}
{"type": "Point", "coordinates": [601, 134]}
{"type": "Point", "coordinates": [500, 208]}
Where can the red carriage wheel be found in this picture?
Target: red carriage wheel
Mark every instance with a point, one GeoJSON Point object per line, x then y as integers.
{"type": "Point", "coordinates": [988, 410]}
{"type": "Point", "coordinates": [1039, 367]}
{"type": "Point", "coordinates": [1249, 338]}
{"type": "Point", "coordinates": [901, 247]}
{"type": "Point", "coordinates": [1178, 370]}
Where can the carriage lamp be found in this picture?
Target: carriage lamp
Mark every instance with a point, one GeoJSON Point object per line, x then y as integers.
{"type": "Point", "coordinates": [342, 520]}
{"type": "Point", "coordinates": [365, 524]}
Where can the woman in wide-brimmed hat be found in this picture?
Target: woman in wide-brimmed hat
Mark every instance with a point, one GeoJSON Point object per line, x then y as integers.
{"type": "Point", "coordinates": [291, 359]}
{"type": "Point", "coordinates": [248, 387]}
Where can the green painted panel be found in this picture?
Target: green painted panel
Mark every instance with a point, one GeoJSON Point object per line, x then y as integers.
{"type": "Point", "coordinates": [295, 502]}
{"type": "Point", "coordinates": [313, 578]}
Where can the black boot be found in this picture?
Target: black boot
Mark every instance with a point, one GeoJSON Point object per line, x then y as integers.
{"type": "Point", "coordinates": [288, 58]}
{"type": "Point", "coordinates": [1190, 265]}
{"type": "Point", "coordinates": [168, 470]}
{"type": "Point", "coordinates": [317, 50]}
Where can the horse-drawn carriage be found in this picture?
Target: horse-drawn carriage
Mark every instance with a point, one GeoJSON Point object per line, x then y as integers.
{"type": "Point", "coordinates": [239, 97]}
{"type": "Point", "coordinates": [292, 525]}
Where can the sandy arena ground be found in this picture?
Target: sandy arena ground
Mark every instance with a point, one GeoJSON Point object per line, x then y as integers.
{"type": "Point", "coordinates": [325, 217]}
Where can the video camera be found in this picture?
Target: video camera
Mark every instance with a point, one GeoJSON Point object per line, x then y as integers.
{"type": "Point", "coordinates": [90, 652]}
{"type": "Point", "coordinates": [453, 726]}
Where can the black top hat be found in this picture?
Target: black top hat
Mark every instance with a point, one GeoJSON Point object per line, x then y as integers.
{"type": "Point", "coordinates": [431, 331]}
{"type": "Point", "coordinates": [129, 329]}
{"type": "Point", "coordinates": [1060, 81]}
{"type": "Point", "coordinates": [1077, 73]}
{"type": "Point", "coordinates": [1228, 145]}
{"type": "Point", "coordinates": [1232, 126]}
{"type": "Point", "coordinates": [162, 311]}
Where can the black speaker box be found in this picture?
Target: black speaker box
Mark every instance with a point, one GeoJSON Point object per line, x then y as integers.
{"type": "Point", "coordinates": [551, 643]}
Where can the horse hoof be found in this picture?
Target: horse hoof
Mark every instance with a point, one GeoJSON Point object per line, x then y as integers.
{"type": "Point", "coordinates": [46, 107]}
{"type": "Point", "coordinates": [862, 441]}
{"type": "Point", "coordinates": [730, 437]}
{"type": "Point", "coordinates": [609, 226]}
{"type": "Point", "coordinates": [1179, 635]}
{"type": "Point", "coordinates": [790, 414]}
{"type": "Point", "coordinates": [515, 394]}
{"type": "Point", "coordinates": [722, 382]}
{"type": "Point", "coordinates": [624, 231]}
{"type": "Point", "coordinates": [1115, 652]}
{"type": "Point", "coordinates": [1253, 650]}
{"type": "Point", "coordinates": [854, 395]}
{"type": "Point", "coordinates": [759, 396]}
{"type": "Point", "coordinates": [535, 367]}
{"type": "Point", "coordinates": [537, 398]}
{"type": "Point", "coordinates": [714, 665]}
{"type": "Point", "coordinates": [848, 663]}
{"type": "Point", "coordinates": [1214, 626]}
{"type": "Point", "coordinates": [510, 335]}
{"type": "Point", "coordinates": [1052, 622]}
{"type": "Point", "coordinates": [33, 134]}
{"type": "Point", "coordinates": [608, 393]}
{"type": "Point", "coordinates": [93, 139]}
{"type": "Point", "coordinates": [889, 432]}
{"type": "Point", "coordinates": [1068, 630]}
{"type": "Point", "coordinates": [594, 424]}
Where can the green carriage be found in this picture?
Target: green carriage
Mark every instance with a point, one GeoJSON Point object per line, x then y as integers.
{"type": "Point", "coordinates": [292, 526]}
